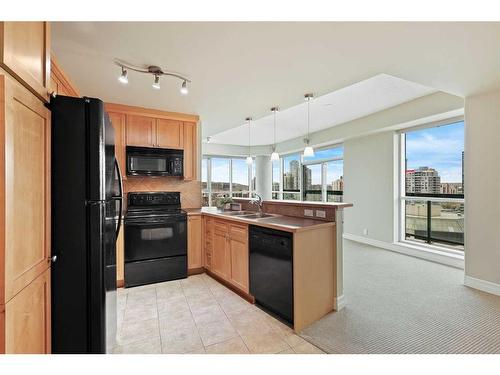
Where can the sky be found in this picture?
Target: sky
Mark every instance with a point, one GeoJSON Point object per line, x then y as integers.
{"type": "Point", "coordinates": [439, 148]}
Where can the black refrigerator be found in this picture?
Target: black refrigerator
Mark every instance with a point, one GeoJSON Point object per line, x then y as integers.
{"type": "Point", "coordinates": [87, 203]}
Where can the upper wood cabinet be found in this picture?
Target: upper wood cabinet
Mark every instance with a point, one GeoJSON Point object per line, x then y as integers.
{"type": "Point", "coordinates": [27, 319]}
{"type": "Point", "coordinates": [169, 133]}
{"type": "Point", "coordinates": [25, 53]}
{"type": "Point", "coordinates": [145, 127]}
{"type": "Point", "coordinates": [24, 187]}
{"type": "Point", "coordinates": [194, 242]}
{"type": "Point", "coordinates": [190, 151]}
{"type": "Point", "coordinates": [60, 84]}
{"type": "Point", "coordinates": [141, 131]}
{"type": "Point", "coordinates": [118, 121]}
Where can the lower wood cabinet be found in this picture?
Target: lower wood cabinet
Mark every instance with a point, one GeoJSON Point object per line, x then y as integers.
{"type": "Point", "coordinates": [195, 255]}
{"type": "Point", "coordinates": [230, 253]}
{"type": "Point", "coordinates": [27, 319]}
{"type": "Point", "coordinates": [207, 238]}
{"type": "Point", "coordinates": [221, 253]}
{"type": "Point", "coordinates": [120, 258]}
{"type": "Point", "coordinates": [238, 244]}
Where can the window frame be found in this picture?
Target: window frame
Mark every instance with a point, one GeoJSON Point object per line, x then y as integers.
{"type": "Point", "coordinates": [230, 192]}
{"type": "Point", "coordinates": [302, 163]}
{"type": "Point", "coordinates": [423, 197]}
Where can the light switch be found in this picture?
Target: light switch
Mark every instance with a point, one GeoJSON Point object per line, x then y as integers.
{"type": "Point", "coordinates": [308, 213]}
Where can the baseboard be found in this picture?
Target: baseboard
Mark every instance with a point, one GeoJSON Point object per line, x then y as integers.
{"type": "Point", "coordinates": [483, 285]}
{"type": "Point", "coordinates": [339, 303]}
{"type": "Point", "coordinates": [432, 255]}
{"type": "Point", "coordinates": [195, 271]}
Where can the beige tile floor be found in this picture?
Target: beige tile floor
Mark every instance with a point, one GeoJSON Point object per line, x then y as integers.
{"type": "Point", "coordinates": [199, 315]}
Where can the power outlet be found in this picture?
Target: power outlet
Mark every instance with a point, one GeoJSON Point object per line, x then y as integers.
{"type": "Point", "coordinates": [365, 231]}
{"type": "Point", "coordinates": [308, 213]}
{"type": "Point", "coordinates": [321, 213]}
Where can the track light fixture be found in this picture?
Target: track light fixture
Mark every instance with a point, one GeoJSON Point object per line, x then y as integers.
{"type": "Point", "coordinates": [156, 71]}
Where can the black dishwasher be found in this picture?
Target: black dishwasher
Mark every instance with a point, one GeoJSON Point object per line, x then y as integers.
{"type": "Point", "coordinates": [271, 270]}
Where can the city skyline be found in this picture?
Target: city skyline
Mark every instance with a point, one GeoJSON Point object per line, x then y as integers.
{"type": "Point", "coordinates": [439, 148]}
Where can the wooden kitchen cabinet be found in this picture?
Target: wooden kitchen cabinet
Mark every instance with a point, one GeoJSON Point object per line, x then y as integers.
{"type": "Point", "coordinates": [141, 131]}
{"type": "Point", "coordinates": [60, 84]}
{"type": "Point", "coordinates": [195, 255]}
{"type": "Point", "coordinates": [25, 53]}
{"type": "Point", "coordinates": [27, 319]}
{"type": "Point", "coordinates": [207, 237]}
{"type": "Point", "coordinates": [120, 258]}
{"type": "Point", "coordinates": [238, 244]}
{"type": "Point", "coordinates": [118, 121]}
{"type": "Point", "coordinates": [25, 178]}
{"type": "Point", "coordinates": [221, 253]}
{"type": "Point", "coordinates": [190, 151]}
{"type": "Point", "coordinates": [230, 253]}
{"type": "Point", "coordinates": [169, 134]}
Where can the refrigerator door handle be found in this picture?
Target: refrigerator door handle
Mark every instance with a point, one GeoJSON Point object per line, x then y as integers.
{"type": "Point", "coordinates": [120, 197]}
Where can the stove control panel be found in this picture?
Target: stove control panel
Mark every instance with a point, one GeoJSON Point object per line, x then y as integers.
{"type": "Point", "coordinates": [163, 198]}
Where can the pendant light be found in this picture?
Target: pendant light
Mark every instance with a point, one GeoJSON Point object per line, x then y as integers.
{"type": "Point", "coordinates": [275, 156]}
{"type": "Point", "coordinates": [308, 150]}
{"type": "Point", "coordinates": [249, 157]}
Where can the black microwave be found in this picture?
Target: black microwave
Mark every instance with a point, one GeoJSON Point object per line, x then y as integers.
{"type": "Point", "coordinates": [147, 161]}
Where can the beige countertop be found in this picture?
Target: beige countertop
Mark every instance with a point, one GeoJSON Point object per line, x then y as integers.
{"type": "Point", "coordinates": [280, 222]}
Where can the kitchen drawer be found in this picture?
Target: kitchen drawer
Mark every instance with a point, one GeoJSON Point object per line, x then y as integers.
{"type": "Point", "coordinates": [238, 232]}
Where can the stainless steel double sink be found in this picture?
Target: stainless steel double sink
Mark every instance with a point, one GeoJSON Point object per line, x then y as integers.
{"type": "Point", "coordinates": [247, 214]}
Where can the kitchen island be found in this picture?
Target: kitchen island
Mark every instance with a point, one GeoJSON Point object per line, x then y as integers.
{"type": "Point", "coordinates": [317, 252]}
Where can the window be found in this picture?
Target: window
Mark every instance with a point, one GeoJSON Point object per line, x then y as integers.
{"type": "Point", "coordinates": [291, 177]}
{"type": "Point", "coordinates": [432, 185]}
{"type": "Point", "coordinates": [276, 176]}
{"type": "Point", "coordinates": [320, 179]}
{"type": "Point", "coordinates": [226, 177]}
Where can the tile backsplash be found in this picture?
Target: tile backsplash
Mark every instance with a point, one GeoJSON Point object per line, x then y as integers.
{"type": "Point", "coordinates": [190, 190]}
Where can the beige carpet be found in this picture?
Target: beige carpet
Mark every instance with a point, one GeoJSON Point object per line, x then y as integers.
{"type": "Point", "coordinates": [400, 304]}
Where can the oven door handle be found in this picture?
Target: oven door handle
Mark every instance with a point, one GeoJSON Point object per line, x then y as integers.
{"type": "Point", "coordinates": [151, 222]}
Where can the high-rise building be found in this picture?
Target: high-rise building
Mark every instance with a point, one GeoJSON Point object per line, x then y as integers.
{"type": "Point", "coordinates": [291, 178]}
{"type": "Point", "coordinates": [338, 184]}
{"type": "Point", "coordinates": [423, 180]}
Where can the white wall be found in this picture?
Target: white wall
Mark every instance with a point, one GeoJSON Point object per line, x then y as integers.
{"type": "Point", "coordinates": [369, 185]}
{"type": "Point", "coordinates": [482, 187]}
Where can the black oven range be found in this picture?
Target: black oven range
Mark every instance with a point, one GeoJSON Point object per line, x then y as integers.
{"type": "Point", "coordinates": [155, 238]}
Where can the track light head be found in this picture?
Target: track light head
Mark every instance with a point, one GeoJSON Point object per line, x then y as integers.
{"type": "Point", "coordinates": [156, 83]}
{"type": "Point", "coordinates": [124, 76]}
{"type": "Point", "coordinates": [184, 90]}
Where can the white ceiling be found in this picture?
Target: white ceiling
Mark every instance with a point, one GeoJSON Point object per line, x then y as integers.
{"type": "Point", "coordinates": [349, 103]}
{"type": "Point", "coordinates": [242, 69]}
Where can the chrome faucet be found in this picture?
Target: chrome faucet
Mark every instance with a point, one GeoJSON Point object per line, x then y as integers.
{"type": "Point", "coordinates": [259, 202]}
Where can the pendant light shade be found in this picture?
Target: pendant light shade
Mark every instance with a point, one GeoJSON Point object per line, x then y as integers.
{"type": "Point", "coordinates": [249, 157]}
{"type": "Point", "coordinates": [275, 156]}
{"type": "Point", "coordinates": [308, 150]}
